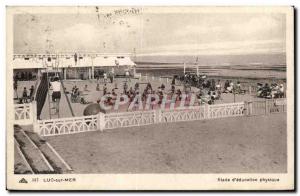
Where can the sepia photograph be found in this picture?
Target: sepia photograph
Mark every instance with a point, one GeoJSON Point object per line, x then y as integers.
{"type": "Point", "coordinates": [150, 98]}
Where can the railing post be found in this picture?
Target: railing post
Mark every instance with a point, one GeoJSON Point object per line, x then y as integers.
{"type": "Point", "coordinates": [207, 111]}
{"type": "Point", "coordinates": [101, 121]}
{"type": "Point", "coordinates": [157, 114]}
{"type": "Point", "coordinates": [266, 107]}
{"type": "Point", "coordinates": [250, 108]}
{"type": "Point", "coordinates": [34, 117]}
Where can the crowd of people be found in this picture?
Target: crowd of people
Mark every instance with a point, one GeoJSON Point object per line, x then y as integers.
{"type": "Point", "coordinates": [24, 76]}
{"type": "Point", "coordinates": [26, 96]}
{"type": "Point", "coordinates": [143, 93]}
{"type": "Point", "coordinates": [270, 91]}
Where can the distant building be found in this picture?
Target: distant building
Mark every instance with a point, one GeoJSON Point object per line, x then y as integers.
{"type": "Point", "coordinates": [73, 66]}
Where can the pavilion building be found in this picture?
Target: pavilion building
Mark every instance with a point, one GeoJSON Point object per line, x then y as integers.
{"type": "Point", "coordinates": [72, 66]}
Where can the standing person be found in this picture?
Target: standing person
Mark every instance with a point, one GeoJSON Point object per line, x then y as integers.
{"type": "Point", "coordinates": [56, 95]}
{"type": "Point", "coordinates": [31, 90]}
{"type": "Point", "coordinates": [98, 87]}
{"type": "Point", "coordinates": [16, 87]}
{"type": "Point", "coordinates": [113, 74]}
{"type": "Point", "coordinates": [75, 58]}
{"type": "Point", "coordinates": [104, 89]}
{"type": "Point", "coordinates": [105, 77]}
{"type": "Point", "coordinates": [125, 87]}
{"type": "Point", "coordinates": [24, 95]}
{"type": "Point", "coordinates": [111, 78]}
{"type": "Point", "coordinates": [127, 75]}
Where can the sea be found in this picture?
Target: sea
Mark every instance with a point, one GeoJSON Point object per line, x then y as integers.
{"type": "Point", "coordinates": [251, 66]}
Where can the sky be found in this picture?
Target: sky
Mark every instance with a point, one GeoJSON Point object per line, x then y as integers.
{"type": "Point", "coordinates": [151, 33]}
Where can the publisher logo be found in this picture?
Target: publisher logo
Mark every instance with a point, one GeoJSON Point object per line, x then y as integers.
{"type": "Point", "coordinates": [23, 180]}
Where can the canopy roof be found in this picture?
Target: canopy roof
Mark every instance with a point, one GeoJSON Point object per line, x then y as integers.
{"type": "Point", "coordinates": [23, 61]}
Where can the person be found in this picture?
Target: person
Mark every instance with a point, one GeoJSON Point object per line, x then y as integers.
{"type": "Point", "coordinates": [281, 91]}
{"type": "Point", "coordinates": [105, 77]}
{"type": "Point", "coordinates": [75, 58]}
{"type": "Point", "coordinates": [16, 87]}
{"type": "Point", "coordinates": [172, 89]}
{"type": "Point", "coordinates": [56, 95]}
{"type": "Point", "coordinates": [113, 92]}
{"type": "Point", "coordinates": [24, 95]}
{"type": "Point", "coordinates": [226, 85]}
{"type": "Point", "coordinates": [238, 87]}
{"type": "Point", "coordinates": [136, 86]}
{"type": "Point", "coordinates": [86, 87]}
{"type": "Point", "coordinates": [98, 87]}
{"type": "Point", "coordinates": [111, 78]}
{"type": "Point", "coordinates": [104, 89]}
{"type": "Point", "coordinates": [213, 85]}
{"type": "Point", "coordinates": [127, 75]}
{"type": "Point", "coordinates": [173, 81]}
{"type": "Point", "coordinates": [125, 87]}
{"type": "Point", "coordinates": [31, 90]}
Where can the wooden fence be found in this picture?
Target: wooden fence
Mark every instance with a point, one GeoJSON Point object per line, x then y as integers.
{"type": "Point", "coordinates": [267, 106]}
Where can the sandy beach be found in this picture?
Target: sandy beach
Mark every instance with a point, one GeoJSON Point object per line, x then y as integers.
{"type": "Point", "coordinates": [229, 145]}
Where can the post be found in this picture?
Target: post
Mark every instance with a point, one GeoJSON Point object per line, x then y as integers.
{"type": "Point", "coordinates": [233, 96]}
{"type": "Point", "coordinates": [34, 117]}
{"type": "Point", "coordinates": [207, 111]}
{"type": "Point", "coordinates": [93, 70]}
{"type": "Point", "coordinates": [184, 68]}
{"type": "Point", "coordinates": [266, 107]}
{"type": "Point", "coordinates": [250, 108]}
{"type": "Point", "coordinates": [90, 74]}
{"type": "Point", "coordinates": [65, 73]}
{"type": "Point", "coordinates": [101, 121]}
{"type": "Point", "coordinates": [250, 90]}
{"type": "Point", "coordinates": [157, 116]}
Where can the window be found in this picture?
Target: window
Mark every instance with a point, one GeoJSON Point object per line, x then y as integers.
{"type": "Point", "coordinates": [26, 58]}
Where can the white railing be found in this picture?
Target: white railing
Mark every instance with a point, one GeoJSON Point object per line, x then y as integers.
{"type": "Point", "coordinates": [24, 113]}
{"type": "Point", "coordinates": [188, 114]}
{"type": "Point", "coordinates": [226, 110]}
{"type": "Point", "coordinates": [129, 119]}
{"type": "Point", "coordinates": [67, 125]}
{"type": "Point", "coordinates": [136, 118]}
